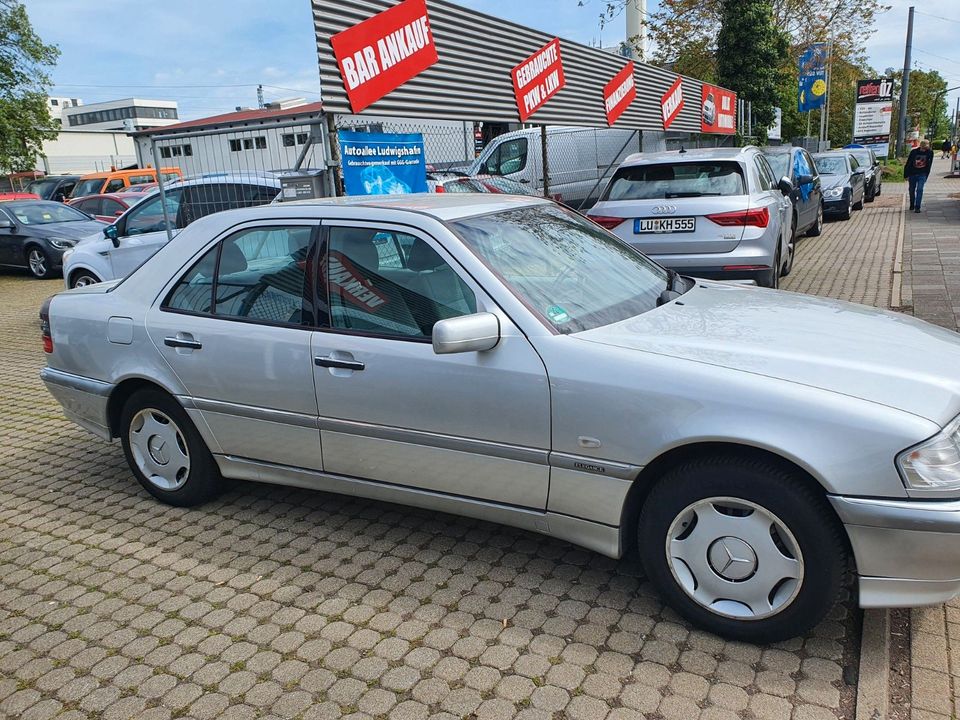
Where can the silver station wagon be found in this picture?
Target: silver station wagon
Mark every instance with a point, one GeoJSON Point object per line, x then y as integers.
{"type": "Point", "coordinates": [504, 358]}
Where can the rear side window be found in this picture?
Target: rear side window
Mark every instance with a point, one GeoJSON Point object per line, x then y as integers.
{"type": "Point", "coordinates": [675, 180]}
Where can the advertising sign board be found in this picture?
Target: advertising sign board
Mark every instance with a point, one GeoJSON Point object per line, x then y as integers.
{"type": "Point", "coordinates": [671, 103]}
{"type": "Point", "coordinates": [619, 93]}
{"type": "Point", "coordinates": [872, 113]}
{"type": "Point", "coordinates": [538, 78]}
{"type": "Point", "coordinates": [718, 110]}
{"type": "Point", "coordinates": [812, 90]}
{"type": "Point", "coordinates": [382, 164]}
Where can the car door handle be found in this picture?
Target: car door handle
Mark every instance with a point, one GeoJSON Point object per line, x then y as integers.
{"type": "Point", "coordinates": [176, 342]}
{"type": "Point", "coordinates": [332, 362]}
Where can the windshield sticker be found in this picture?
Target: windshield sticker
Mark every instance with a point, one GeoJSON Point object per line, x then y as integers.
{"type": "Point", "coordinates": [557, 314]}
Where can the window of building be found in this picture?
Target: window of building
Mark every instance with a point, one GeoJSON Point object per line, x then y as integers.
{"type": "Point", "coordinates": [236, 145]}
{"type": "Point", "coordinates": [177, 150]}
{"type": "Point", "coordinates": [301, 138]}
{"type": "Point", "coordinates": [288, 140]}
{"type": "Point", "coordinates": [260, 142]}
{"type": "Point", "coordinates": [164, 151]}
{"type": "Point", "coordinates": [54, 101]}
{"type": "Point", "coordinates": [188, 149]}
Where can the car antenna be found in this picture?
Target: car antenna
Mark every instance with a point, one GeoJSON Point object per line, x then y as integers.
{"type": "Point", "coordinates": [682, 151]}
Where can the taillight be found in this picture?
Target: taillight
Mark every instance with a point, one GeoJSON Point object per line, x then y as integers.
{"type": "Point", "coordinates": [755, 217]}
{"type": "Point", "coordinates": [440, 189]}
{"type": "Point", "coordinates": [45, 326]}
{"type": "Point", "coordinates": [608, 222]}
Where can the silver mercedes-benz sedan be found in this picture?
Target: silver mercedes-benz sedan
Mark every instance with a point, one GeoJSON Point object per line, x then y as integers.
{"type": "Point", "coordinates": [504, 358]}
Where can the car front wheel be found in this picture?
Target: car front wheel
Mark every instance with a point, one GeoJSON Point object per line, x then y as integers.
{"type": "Point", "coordinates": [82, 278]}
{"type": "Point", "coordinates": [165, 451]}
{"type": "Point", "coordinates": [39, 263]}
{"type": "Point", "coordinates": [742, 548]}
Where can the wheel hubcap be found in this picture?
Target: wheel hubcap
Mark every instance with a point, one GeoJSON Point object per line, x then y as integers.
{"type": "Point", "coordinates": [83, 281]}
{"type": "Point", "coordinates": [734, 558]}
{"type": "Point", "coordinates": [38, 264]}
{"type": "Point", "coordinates": [159, 449]}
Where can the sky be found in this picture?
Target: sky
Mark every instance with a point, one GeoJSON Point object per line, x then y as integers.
{"type": "Point", "coordinates": [210, 55]}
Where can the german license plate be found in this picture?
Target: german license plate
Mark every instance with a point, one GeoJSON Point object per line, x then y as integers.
{"type": "Point", "coordinates": [664, 225]}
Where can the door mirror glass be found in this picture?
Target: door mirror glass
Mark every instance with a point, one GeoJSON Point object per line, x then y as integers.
{"type": "Point", "coordinates": [467, 333]}
{"type": "Point", "coordinates": [110, 232]}
{"type": "Point", "coordinates": [5, 223]}
{"type": "Point", "coordinates": [804, 179]}
{"type": "Point", "coordinates": [786, 187]}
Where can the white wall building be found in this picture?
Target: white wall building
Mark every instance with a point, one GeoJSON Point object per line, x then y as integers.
{"type": "Point", "coordinates": [86, 151]}
{"type": "Point", "coordinates": [56, 105]}
{"type": "Point", "coordinates": [129, 114]}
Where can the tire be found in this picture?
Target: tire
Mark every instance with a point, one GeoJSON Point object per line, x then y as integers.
{"type": "Point", "coordinates": [771, 278]}
{"type": "Point", "coordinates": [793, 544]}
{"type": "Point", "coordinates": [39, 263]}
{"type": "Point", "coordinates": [787, 264]}
{"type": "Point", "coordinates": [817, 226]}
{"type": "Point", "coordinates": [879, 189]}
{"type": "Point", "coordinates": [848, 213]}
{"type": "Point", "coordinates": [859, 205]}
{"type": "Point", "coordinates": [165, 451]}
{"type": "Point", "coordinates": [869, 196]}
{"type": "Point", "coordinates": [82, 278]}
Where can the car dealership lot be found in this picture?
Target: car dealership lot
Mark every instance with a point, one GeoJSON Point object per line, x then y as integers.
{"type": "Point", "coordinates": [278, 601]}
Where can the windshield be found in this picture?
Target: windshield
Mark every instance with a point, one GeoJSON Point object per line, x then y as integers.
{"type": "Point", "coordinates": [45, 213]}
{"type": "Point", "coordinates": [831, 165]}
{"type": "Point", "coordinates": [87, 187]}
{"type": "Point", "coordinates": [675, 180]}
{"type": "Point", "coordinates": [567, 270]}
{"type": "Point", "coordinates": [780, 162]}
{"type": "Point", "coordinates": [43, 188]}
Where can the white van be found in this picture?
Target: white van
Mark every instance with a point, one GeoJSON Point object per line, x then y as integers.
{"type": "Point", "coordinates": [576, 158]}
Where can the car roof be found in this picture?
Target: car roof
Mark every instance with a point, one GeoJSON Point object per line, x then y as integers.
{"type": "Point", "coordinates": [689, 155]}
{"type": "Point", "coordinates": [442, 206]}
{"type": "Point", "coordinates": [832, 153]}
{"type": "Point", "coordinates": [19, 203]}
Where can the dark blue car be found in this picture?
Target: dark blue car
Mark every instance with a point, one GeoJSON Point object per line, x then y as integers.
{"type": "Point", "coordinates": [795, 164]}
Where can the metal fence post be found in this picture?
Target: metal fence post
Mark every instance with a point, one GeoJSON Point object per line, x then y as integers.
{"type": "Point", "coordinates": [160, 185]}
{"type": "Point", "coordinates": [546, 166]}
{"type": "Point", "coordinates": [333, 163]}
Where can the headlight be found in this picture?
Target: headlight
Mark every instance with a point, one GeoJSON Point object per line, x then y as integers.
{"type": "Point", "coordinates": [833, 192]}
{"type": "Point", "coordinates": [60, 244]}
{"type": "Point", "coordinates": [934, 464]}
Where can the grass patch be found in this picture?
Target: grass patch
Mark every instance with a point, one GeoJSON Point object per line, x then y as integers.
{"type": "Point", "coordinates": [892, 170]}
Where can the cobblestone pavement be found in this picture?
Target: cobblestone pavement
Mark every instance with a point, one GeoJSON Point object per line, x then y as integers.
{"type": "Point", "coordinates": [272, 602]}
{"type": "Point", "coordinates": [931, 276]}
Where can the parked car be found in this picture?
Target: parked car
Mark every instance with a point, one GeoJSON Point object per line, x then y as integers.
{"type": "Point", "coordinates": [6, 196]}
{"type": "Point", "coordinates": [53, 187]}
{"type": "Point", "coordinates": [872, 175]}
{"type": "Point", "coordinates": [35, 233]}
{"type": "Point", "coordinates": [715, 212]}
{"type": "Point", "coordinates": [460, 183]}
{"type": "Point", "coordinates": [795, 164]}
{"type": "Point", "coordinates": [106, 207]}
{"type": "Point", "coordinates": [120, 180]}
{"type": "Point", "coordinates": [504, 358]}
{"type": "Point", "coordinates": [142, 230]}
{"type": "Point", "coordinates": [577, 159]}
{"type": "Point", "coordinates": [141, 188]}
{"type": "Point", "coordinates": [843, 183]}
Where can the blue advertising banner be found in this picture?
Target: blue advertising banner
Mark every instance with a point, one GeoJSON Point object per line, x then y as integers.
{"type": "Point", "coordinates": [812, 90]}
{"type": "Point", "coordinates": [382, 164]}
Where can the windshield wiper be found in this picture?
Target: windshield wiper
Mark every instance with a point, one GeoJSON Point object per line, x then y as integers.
{"type": "Point", "coordinates": [671, 292]}
{"type": "Point", "coordinates": [690, 194]}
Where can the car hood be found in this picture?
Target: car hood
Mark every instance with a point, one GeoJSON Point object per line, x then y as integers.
{"type": "Point", "coordinates": [829, 181]}
{"type": "Point", "coordinates": [72, 230]}
{"type": "Point", "coordinates": [854, 350]}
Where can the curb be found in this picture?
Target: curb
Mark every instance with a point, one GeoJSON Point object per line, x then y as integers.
{"type": "Point", "coordinates": [873, 691]}
{"type": "Point", "coordinates": [896, 292]}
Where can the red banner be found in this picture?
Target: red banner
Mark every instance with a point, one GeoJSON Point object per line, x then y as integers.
{"type": "Point", "coordinates": [381, 53]}
{"type": "Point", "coordinates": [672, 103]}
{"type": "Point", "coordinates": [538, 78]}
{"type": "Point", "coordinates": [718, 110]}
{"type": "Point", "coordinates": [619, 93]}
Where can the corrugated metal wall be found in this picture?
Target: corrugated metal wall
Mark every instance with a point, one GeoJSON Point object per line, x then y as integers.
{"type": "Point", "coordinates": [472, 79]}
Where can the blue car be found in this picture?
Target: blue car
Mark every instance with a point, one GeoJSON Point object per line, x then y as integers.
{"type": "Point", "coordinates": [796, 164]}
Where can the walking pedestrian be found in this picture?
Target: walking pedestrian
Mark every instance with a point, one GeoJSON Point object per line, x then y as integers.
{"type": "Point", "coordinates": [917, 170]}
{"type": "Point", "coordinates": [945, 149]}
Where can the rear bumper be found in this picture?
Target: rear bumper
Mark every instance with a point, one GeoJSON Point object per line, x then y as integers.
{"type": "Point", "coordinates": [907, 551]}
{"type": "Point", "coordinates": [712, 265]}
{"type": "Point", "coordinates": [84, 400]}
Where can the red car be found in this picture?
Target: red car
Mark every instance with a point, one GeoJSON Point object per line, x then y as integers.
{"type": "Point", "coordinates": [108, 206]}
{"type": "Point", "coordinates": [18, 196]}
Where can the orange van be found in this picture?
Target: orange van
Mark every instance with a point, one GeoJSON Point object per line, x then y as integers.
{"type": "Point", "coordinates": [120, 180]}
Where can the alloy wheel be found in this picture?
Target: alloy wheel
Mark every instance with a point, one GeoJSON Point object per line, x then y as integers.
{"type": "Point", "coordinates": [734, 558]}
{"type": "Point", "coordinates": [37, 261]}
{"type": "Point", "coordinates": [84, 280]}
{"type": "Point", "coordinates": [159, 449]}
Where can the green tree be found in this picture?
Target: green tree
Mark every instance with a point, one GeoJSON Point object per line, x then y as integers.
{"type": "Point", "coordinates": [926, 104]}
{"type": "Point", "coordinates": [24, 63]}
{"type": "Point", "coordinates": [750, 52]}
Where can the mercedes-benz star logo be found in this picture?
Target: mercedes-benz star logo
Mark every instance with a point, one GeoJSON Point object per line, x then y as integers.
{"type": "Point", "coordinates": [732, 558]}
{"type": "Point", "coordinates": [158, 449]}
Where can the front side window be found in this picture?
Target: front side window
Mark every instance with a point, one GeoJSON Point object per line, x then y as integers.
{"type": "Point", "coordinates": [569, 272]}
{"type": "Point", "coordinates": [508, 157]}
{"type": "Point", "coordinates": [676, 180]}
{"type": "Point", "coordinates": [88, 187]}
{"type": "Point", "coordinates": [148, 215]}
{"type": "Point", "coordinates": [388, 283]}
{"type": "Point", "coordinates": [256, 274]}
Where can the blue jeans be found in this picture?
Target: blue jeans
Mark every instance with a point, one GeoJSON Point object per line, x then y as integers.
{"type": "Point", "coordinates": [916, 183]}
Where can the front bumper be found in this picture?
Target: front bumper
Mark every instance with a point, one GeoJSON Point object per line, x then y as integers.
{"type": "Point", "coordinates": [84, 399]}
{"type": "Point", "coordinates": [907, 551]}
{"type": "Point", "coordinates": [838, 206]}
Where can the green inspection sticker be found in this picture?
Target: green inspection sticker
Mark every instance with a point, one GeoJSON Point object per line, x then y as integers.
{"type": "Point", "coordinates": [557, 314]}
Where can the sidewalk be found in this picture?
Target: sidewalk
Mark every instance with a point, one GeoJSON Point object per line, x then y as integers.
{"type": "Point", "coordinates": [931, 290]}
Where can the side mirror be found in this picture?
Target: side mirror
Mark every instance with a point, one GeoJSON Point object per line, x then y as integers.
{"type": "Point", "coordinates": [785, 186]}
{"type": "Point", "coordinates": [5, 223]}
{"type": "Point", "coordinates": [110, 232]}
{"type": "Point", "coordinates": [467, 333]}
{"type": "Point", "coordinates": [118, 213]}
{"type": "Point", "coordinates": [804, 179]}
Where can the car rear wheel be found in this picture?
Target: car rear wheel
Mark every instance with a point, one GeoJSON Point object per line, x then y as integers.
{"type": "Point", "coordinates": [817, 227]}
{"type": "Point", "coordinates": [82, 278]}
{"type": "Point", "coordinates": [742, 548]}
{"type": "Point", "coordinates": [787, 265]}
{"type": "Point", "coordinates": [39, 263]}
{"type": "Point", "coordinates": [165, 451]}
{"type": "Point", "coordinates": [771, 278]}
